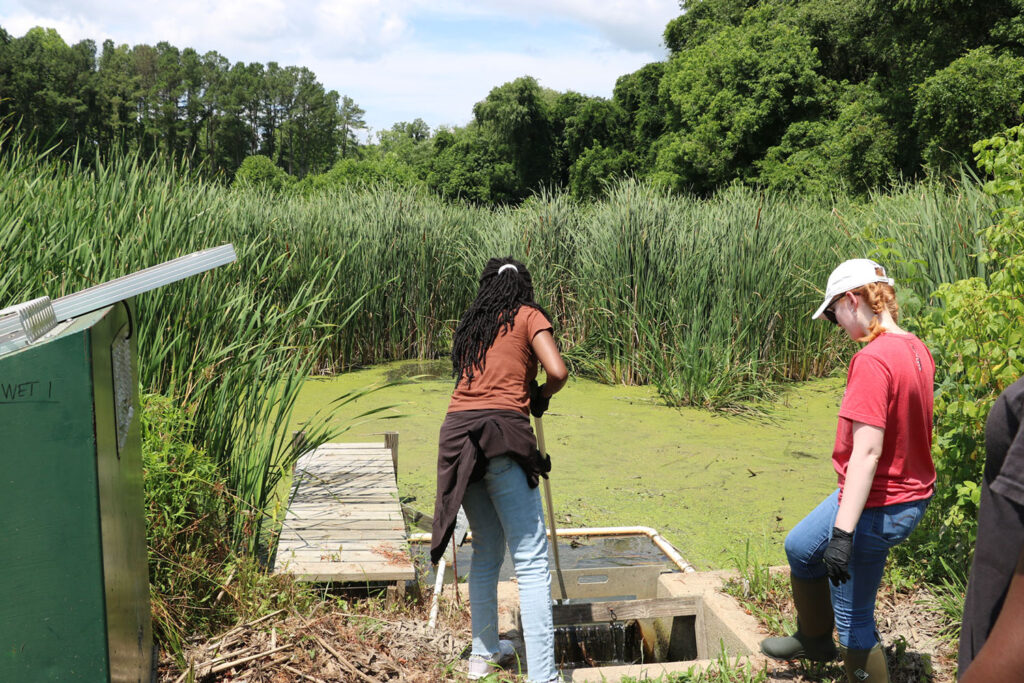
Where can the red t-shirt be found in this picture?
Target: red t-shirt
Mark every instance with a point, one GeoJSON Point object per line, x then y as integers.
{"type": "Point", "coordinates": [890, 385]}
{"type": "Point", "coordinates": [509, 366]}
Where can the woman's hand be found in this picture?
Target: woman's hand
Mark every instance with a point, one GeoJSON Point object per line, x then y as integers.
{"type": "Point", "coordinates": [837, 556]}
{"type": "Point", "coordinates": [538, 401]}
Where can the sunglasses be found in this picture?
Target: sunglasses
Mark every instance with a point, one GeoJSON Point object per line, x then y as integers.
{"type": "Point", "coordinates": [830, 314]}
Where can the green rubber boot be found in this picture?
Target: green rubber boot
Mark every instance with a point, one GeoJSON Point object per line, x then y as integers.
{"type": "Point", "coordinates": [815, 621]}
{"type": "Point", "coordinates": [865, 666]}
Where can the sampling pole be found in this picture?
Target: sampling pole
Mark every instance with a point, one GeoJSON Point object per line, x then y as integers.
{"type": "Point", "coordinates": [538, 427]}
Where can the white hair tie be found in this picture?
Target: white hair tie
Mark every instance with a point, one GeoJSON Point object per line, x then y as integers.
{"type": "Point", "coordinates": [507, 265]}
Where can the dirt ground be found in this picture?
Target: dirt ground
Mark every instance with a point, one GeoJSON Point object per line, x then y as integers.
{"type": "Point", "coordinates": [374, 640]}
{"type": "Point", "coordinates": [339, 640]}
{"type": "Point", "coordinates": [911, 629]}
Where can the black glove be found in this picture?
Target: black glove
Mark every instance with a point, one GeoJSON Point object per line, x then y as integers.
{"type": "Point", "coordinates": [837, 556]}
{"type": "Point", "coordinates": [538, 403]}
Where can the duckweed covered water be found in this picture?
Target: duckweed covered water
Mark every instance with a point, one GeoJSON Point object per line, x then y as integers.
{"type": "Point", "coordinates": [707, 482]}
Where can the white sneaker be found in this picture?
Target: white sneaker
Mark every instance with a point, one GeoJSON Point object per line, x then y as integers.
{"type": "Point", "coordinates": [480, 666]}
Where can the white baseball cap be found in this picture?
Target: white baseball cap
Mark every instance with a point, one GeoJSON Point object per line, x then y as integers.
{"type": "Point", "coordinates": [849, 275]}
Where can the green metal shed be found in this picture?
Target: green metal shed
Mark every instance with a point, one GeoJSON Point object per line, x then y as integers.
{"type": "Point", "coordinates": [74, 586]}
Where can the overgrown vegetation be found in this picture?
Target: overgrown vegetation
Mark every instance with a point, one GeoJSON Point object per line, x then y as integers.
{"type": "Point", "coordinates": [975, 336]}
{"type": "Point", "coordinates": [231, 346]}
{"type": "Point", "coordinates": [707, 299]}
{"type": "Point", "coordinates": [198, 583]}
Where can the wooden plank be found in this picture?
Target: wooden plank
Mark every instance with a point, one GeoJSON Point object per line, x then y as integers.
{"type": "Point", "coordinates": [622, 610]}
{"type": "Point", "coordinates": [345, 523]}
{"type": "Point", "coordinates": [318, 512]}
{"type": "Point", "coordinates": [356, 545]}
{"type": "Point", "coordinates": [342, 535]}
{"type": "Point", "coordinates": [365, 557]}
{"type": "Point", "coordinates": [351, 574]}
{"type": "Point", "coordinates": [341, 524]}
{"type": "Point", "coordinates": [357, 568]}
{"type": "Point", "coordinates": [355, 497]}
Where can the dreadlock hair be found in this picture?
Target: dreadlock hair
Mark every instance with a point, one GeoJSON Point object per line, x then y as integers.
{"type": "Point", "coordinates": [879, 296]}
{"type": "Point", "coordinates": [497, 301]}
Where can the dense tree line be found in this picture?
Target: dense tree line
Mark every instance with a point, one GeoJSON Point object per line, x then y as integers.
{"type": "Point", "coordinates": [161, 99]}
{"type": "Point", "coordinates": [806, 95]}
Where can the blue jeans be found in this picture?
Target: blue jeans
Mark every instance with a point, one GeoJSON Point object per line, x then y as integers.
{"type": "Point", "coordinates": [878, 530]}
{"type": "Point", "coordinates": [502, 507]}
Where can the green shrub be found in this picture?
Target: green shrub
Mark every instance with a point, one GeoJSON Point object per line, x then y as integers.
{"type": "Point", "coordinates": [198, 582]}
{"type": "Point", "coordinates": [259, 171]}
{"type": "Point", "coordinates": [975, 337]}
{"type": "Point", "coordinates": [185, 516]}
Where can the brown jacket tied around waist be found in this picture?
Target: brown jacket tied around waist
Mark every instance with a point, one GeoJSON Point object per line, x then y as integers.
{"type": "Point", "coordinates": [468, 439]}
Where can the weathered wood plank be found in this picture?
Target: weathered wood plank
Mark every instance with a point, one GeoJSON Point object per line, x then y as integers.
{"type": "Point", "coordinates": [356, 545]}
{"type": "Point", "coordinates": [344, 522]}
{"type": "Point", "coordinates": [354, 573]}
{"type": "Point", "coordinates": [341, 536]}
{"type": "Point", "coordinates": [365, 557]}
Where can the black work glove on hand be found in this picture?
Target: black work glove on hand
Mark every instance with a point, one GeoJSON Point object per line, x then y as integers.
{"type": "Point", "coordinates": [538, 403]}
{"type": "Point", "coordinates": [837, 556]}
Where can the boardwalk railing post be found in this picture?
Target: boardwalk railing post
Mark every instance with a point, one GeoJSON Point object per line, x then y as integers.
{"type": "Point", "coordinates": [299, 442]}
{"type": "Point", "coordinates": [391, 442]}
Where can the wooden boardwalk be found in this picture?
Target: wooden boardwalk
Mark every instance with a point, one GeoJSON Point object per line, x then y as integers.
{"type": "Point", "coordinates": [344, 521]}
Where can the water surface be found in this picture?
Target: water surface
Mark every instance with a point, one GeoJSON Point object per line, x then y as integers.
{"type": "Point", "coordinates": [707, 482]}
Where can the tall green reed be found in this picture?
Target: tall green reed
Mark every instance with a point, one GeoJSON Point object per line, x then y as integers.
{"type": "Point", "coordinates": [230, 344]}
{"type": "Point", "coordinates": [710, 300]}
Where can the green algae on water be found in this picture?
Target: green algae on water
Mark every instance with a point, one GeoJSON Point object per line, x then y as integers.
{"type": "Point", "coordinates": [707, 482]}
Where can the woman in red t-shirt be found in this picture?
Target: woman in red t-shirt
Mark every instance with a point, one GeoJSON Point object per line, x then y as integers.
{"type": "Point", "coordinates": [882, 455]}
{"type": "Point", "coordinates": [488, 462]}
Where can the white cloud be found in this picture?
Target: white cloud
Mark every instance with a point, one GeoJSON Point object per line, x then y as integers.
{"type": "Point", "coordinates": [442, 87]}
{"type": "Point", "coordinates": [635, 25]}
{"type": "Point", "coordinates": [378, 51]}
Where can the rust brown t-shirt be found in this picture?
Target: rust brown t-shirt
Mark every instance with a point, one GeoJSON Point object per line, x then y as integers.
{"type": "Point", "coordinates": [509, 366]}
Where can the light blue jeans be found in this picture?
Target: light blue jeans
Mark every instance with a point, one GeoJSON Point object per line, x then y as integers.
{"type": "Point", "coordinates": [878, 530]}
{"type": "Point", "coordinates": [502, 508]}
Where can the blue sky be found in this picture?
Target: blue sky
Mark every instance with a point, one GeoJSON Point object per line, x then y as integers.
{"type": "Point", "coordinates": [398, 59]}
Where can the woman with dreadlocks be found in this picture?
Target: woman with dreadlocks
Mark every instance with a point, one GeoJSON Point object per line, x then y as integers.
{"type": "Point", "coordinates": [488, 461]}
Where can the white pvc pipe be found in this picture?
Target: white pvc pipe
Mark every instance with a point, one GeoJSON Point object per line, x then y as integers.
{"type": "Point", "coordinates": [656, 538]}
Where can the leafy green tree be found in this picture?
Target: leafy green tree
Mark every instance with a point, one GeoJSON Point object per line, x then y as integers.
{"type": "Point", "coordinates": [851, 148]}
{"type": "Point", "coordinates": [168, 91]}
{"type": "Point", "coordinates": [638, 95]}
{"type": "Point", "coordinates": [310, 133]}
{"type": "Point", "coordinates": [194, 86]}
{"type": "Point", "coordinates": [363, 172]}
{"type": "Point", "coordinates": [259, 171]}
{"type": "Point", "coordinates": [350, 120]}
{"type": "Point", "coordinates": [979, 93]}
{"type": "Point", "coordinates": [595, 121]}
{"type": "Point", "coordinates": [515, 116]}
{"type": "Point", "coordinates": [701, 19]}
{"type": "Point", "coordinates": [39, 84]}
{"type": "Point", "coordinates": [408, 143]}
{"type": "Point", "coordinates": [276, 100]}
{"type": "Point", "coordinates": [732, 98]}
{"type": "Point", "coordinates": [214, 68]}
{"type": "Point", "coordinates": [592, 171]}
{"type": "Point", "coordinates": [468, 166]}
{"type": "Point", "coordinates": [116, 94]}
